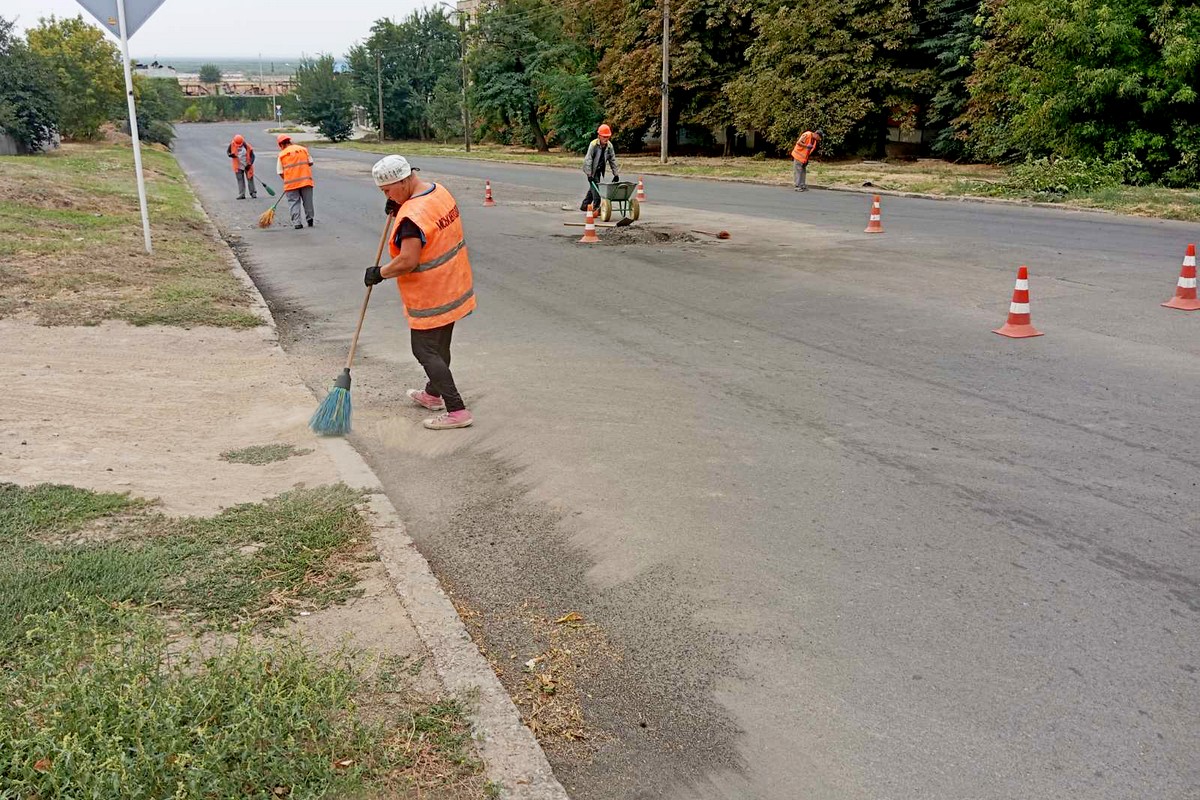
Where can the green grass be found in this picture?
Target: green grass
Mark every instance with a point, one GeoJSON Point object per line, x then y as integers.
{"type": "Point", "coordinates": [105, 698]}
{"type": "Point", "coordinates": [70, 233]}
{"type": "Point", "coordinates": [263, 454]}
{"type": "Point", "coordinates": [250, 563]}
{"type": "Point", "coordinates": [926, 176]}
{"type": "Point", "coordinates": [102, 707]}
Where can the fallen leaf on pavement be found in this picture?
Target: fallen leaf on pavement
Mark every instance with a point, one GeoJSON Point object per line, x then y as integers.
{"type": "Point", "coordinates": [574, 616]}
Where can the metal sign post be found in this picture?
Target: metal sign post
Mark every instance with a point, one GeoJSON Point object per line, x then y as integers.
{"type": "Point", "coordinates": [113, 15]}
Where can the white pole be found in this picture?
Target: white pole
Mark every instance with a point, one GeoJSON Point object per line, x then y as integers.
{"type": "Point", "coordinates": [133, 127]}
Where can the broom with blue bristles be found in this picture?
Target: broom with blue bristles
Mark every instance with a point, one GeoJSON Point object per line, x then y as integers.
{"type": "Point", "coordinates": [332, 417]}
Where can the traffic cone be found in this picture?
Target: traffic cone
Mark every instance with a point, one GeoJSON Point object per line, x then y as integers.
{"type": "Point", "coordinates": [1018, 325]}
{"type": "Point", "coordinates": [875, 224]}
{"type": "Point", "coordinates": [641, 191]}
{"type": "Point", "coordinates": [589, 229]}
{"type": "Point", "coordinates": [488, 202]}
{"type": "Point", "coordinates": [1185, 289]}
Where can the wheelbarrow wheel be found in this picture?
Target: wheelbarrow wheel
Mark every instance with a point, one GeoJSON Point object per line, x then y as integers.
{"type": "Point", "coordinates": [605, 210]}
{"type": "Point", "coordinates": [635, 209]}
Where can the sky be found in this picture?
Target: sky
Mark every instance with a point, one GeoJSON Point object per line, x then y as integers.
{"type": "Point", "coordinates": [236, 28]}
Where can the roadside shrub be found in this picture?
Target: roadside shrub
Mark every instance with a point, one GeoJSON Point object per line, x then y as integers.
{"type": "Point", "coordinates": [1058, 177]}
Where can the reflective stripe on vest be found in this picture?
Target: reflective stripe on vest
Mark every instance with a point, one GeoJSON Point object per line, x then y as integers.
{"type": "Point", "coordinates": [297, 173]}
{"type": "Point", "coordinates": [433, 312]}
{"type": "Point", "coordinates": [440, 290]}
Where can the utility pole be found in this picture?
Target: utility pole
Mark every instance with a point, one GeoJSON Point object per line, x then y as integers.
{"type": "Point", "coordinates": [666, 77]}
{"type": "Point", "coordinates": [462, 54]}
{"type": "Point", "coordinates": [379, 90]}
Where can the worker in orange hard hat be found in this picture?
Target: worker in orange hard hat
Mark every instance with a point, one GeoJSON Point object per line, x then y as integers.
{"type": "Point", "coordinates": [294, 166]}
{"type": "Point", "coordinates": [599, 154]}
{"type": "Point", "coordinates": [242, 155]}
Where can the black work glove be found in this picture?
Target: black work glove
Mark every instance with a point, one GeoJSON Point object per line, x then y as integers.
{"type": "Point", "coordinates": [391, 207]}
{"type": "Point", "coordinates": [374, 275]}
{"type": "Point", "coordinates": [616, 179]}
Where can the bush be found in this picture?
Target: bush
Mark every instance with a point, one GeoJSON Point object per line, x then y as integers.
{"type": "Point", "coordinates": [1063, 176]}
{"type": "Point", "coordinates": [192, 113]}
{"type": "Point", "coordinates": [29, 107]}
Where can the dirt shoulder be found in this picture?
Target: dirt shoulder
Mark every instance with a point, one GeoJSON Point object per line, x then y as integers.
{"type": "Point", "coordinates": [169, 523]}
{"type": "Point", "coordinates": [925, 177]}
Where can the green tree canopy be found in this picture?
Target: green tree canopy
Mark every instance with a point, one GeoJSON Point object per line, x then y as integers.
{"type": "Point", "coordinates": [87, 70]}
{"type": "Point", "coordinates": [210, 73]}
{"type": "Point", "coordinates": [29, 109]}
{"type": "Point", "coordinates": [414, 58]}
{"type": "Point", "coordinates": [840, 65]}
{"type": "Point", "coordinates": [1090, 78]}
{"type": "Point", "coordinates": [325, 98]}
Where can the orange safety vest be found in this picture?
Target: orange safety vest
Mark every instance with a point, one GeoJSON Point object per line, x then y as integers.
{"type": "Point", "coordinates": [233, 156]}
{"type": "Point", "coordinates": [297, 171]}
{"type": "Point", "coordinates": [804, 147]}
{"type": "Point", "coordinates": [440, 290]}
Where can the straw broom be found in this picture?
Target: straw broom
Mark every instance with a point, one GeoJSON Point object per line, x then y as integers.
{"type": "Point", "coordinates": [267, 218]}
{"type": "Point", "coordinates": [332, 417]}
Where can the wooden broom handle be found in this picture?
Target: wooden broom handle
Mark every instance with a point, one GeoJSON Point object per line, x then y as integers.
{"type": "Point", "coordinates": [362, 314]}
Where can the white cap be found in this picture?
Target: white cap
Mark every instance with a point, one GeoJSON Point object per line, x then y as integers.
{"type": "Point", "coordinates": [391, 169]}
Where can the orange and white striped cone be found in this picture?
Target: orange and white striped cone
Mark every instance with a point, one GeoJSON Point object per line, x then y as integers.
{"type": "Point", "coordinates": [589, 229]}
{"type": "Point", "coordinates": [641, 191]}
{"type": "Point", "coordinates": [1185, 288]}
{"type": "Point", "coordinates": [1019, 325]}
{"type": "Point", "coordinates": [488, 202]}
{"type": "Point", "coordinates": [875, 223]}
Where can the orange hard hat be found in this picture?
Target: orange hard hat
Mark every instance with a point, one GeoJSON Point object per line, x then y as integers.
{"type": "Point", "coordinates": [604, 130]}
{"type": "Point", "coordinates": [282, 139]}
{"type": "Point", "coordinates": [237, 139]}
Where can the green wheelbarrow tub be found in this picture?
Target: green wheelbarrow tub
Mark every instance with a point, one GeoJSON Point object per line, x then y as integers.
{"type": "Point", "coordinates": [616, 192]}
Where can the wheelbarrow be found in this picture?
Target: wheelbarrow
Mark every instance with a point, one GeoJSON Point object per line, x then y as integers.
{"type": "Point", "coordinates": [619, 195]}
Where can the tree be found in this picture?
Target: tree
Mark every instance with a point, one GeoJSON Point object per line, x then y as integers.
{"type": "Point", "coordinates": [87, 70]}
{"type": "Point", "coordinates": [210, 73]}
{"type": "Point", "coordinates": [841, 65]}
{"type": "Point", "coordinates": [414, 57]}
{"type": "Point", "coordinates": [325, 98]}
{"type": "Point", "coordinates": [522, 47]}
{"type": "Point", "coordinates": [1093, 79]}
{"type": "Point", "coordinates": [28, 103]}
{"type": "Point", "coordinates": [160, 101]}
{"type": "Point", "coordinates": [948, 37]}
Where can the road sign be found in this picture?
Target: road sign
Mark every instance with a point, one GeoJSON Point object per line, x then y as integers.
{"type": "Point", "coordinates": [123, 18]}
{"type": "Point", "coordinates": [136, 13]}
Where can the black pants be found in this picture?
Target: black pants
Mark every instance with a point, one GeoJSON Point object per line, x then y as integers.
{"type": "Point", "coordinates": [593, 197]}
{"type": "Point", "coordinates": [432, 349]}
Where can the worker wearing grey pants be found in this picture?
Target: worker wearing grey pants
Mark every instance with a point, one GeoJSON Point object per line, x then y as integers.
{"type": "Point", "coordinates": [301, 200]}
{"type": "Point", "coordinates": [294, 166]}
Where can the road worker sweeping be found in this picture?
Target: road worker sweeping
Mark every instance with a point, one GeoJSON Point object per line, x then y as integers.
{"type": "Point", "coordinates": [801, 153]}
{"type": "Point", "coordinates": [599, 154]}
{"type": "Point", "coordinates": [294, 166]}
{"type": "Point", "coordinates": [431, 268]}
{"type": "Point", "coordinates": [241, 154]}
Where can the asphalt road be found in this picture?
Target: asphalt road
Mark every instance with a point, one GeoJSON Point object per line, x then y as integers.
{"type": "Point", "coordinates": [837, 539]}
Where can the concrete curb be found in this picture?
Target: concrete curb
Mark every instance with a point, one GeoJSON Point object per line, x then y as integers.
{"type": "Point", "coordinates": [512, 757]}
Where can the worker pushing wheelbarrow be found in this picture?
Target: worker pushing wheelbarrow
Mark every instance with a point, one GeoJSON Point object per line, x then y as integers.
{"type": "Point", "coordinates": [602, 197]}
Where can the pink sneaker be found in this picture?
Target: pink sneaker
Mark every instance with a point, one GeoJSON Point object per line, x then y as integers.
{"type": "Point", "coordinates": [426, 400]}
{"type": "Point", "coordinates": [451, 419]}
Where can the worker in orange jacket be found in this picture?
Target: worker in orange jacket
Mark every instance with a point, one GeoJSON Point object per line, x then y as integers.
{"type": "Point", "coordinates": [801, 153]}
{"type": "Point", "coordinates": [430, 264]}
{"type": "Point", "coordinates": [241, 154]}
{"type": "Point", "coordinates": [294, 167]}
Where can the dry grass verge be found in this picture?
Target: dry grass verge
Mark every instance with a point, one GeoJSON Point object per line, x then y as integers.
{"type": "Point", "coordinates": [71, 250]}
